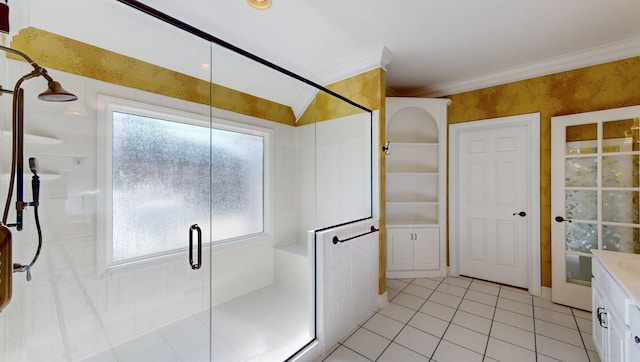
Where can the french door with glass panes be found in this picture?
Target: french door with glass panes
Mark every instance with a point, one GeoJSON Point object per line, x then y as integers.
{"type": "Point", "coordinates": [594, 195]}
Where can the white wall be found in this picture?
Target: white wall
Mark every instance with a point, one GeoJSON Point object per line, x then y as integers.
{"type": "Point", "coordinates": [347, 275]}
{"type": "Point", "coordinates": [334, 178]}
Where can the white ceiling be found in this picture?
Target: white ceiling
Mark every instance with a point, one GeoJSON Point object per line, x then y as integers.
{"type": "Point", "coordinates": [438, 47]}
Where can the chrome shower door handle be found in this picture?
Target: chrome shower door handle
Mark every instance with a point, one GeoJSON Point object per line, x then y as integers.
{"type": "Point", "coordinates": [198, 264]}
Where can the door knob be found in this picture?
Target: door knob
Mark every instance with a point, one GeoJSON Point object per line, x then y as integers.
{"type": "Point", "coordinates": [561, 219]}
{"type": "Point", "coordinates": [521, 213]}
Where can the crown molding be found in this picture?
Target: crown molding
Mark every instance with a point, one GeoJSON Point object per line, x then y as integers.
{"type": "Point", "coordinates": [378, 58]}
{"type": "Point", "coordinates": [592, 56]}
{"type": "Point", "coordinates": [303, 101]}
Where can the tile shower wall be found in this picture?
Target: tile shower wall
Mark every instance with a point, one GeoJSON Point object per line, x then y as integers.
{"type": "Point", "coordinates": [68, 310]}
{"type": "Point", "coordinates": [343, 164]}
{"type": "Point", "coordinates": [347, 277]}
{"type": "Point", "coordinates": [334, 183]}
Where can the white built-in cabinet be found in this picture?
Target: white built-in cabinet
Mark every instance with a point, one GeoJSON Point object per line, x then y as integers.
{"type": "Point", "coordinates": [416, 129]}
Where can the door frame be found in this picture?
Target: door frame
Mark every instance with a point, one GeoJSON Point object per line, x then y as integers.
{"type": "Point", "coordinates": [532, 122]}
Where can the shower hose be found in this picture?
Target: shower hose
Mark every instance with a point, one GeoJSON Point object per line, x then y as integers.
{"type": "Point", "coordinates": [27, 267]}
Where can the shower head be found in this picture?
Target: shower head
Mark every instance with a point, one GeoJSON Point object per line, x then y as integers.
{"type": "Point", "coordinates": [55, 93]}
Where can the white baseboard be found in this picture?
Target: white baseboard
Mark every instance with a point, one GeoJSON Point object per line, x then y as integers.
{"type": "Point", "coordinates": [545, 293]}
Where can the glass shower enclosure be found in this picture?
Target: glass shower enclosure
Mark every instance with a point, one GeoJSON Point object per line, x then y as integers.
{"type": "Point", "coordinates": [177, 192]}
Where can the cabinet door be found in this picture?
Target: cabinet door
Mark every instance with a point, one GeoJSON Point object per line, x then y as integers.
{"type": "Point", "coordinates": [599, 313]}
{"type": "Point", "coordinates": [616, 337]}
{"type": "Point", "coordinates": [399, 249]}
{"type": "Point", "coordinates": [426, 249]}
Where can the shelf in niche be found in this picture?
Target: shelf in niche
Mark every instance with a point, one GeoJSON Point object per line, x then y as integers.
{"type": "Point", "coordinates": [409, 203]}
{"type": "Point", "coordinates": [411, 223]}
{"type": "Point", "coordinates": [43, 176]}
{"type": "Point", "coordinates": [413, 173]}
{"type": "Point", "coordinates": [34, 138]}
{"type": "Point", "coordinates": [413, 144]}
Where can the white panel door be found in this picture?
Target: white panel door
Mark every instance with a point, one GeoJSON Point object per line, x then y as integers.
{"type": "Point", "coordinates": [493, 185]}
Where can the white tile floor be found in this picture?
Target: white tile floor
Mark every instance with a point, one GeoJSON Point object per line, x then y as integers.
{"type": "Point", "coordinates": [269, 324]}
{"type": "Point", "coordinates": [463, 319]}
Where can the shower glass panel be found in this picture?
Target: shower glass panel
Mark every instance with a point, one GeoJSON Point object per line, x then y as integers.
{"type": "Point", "coordinates": [263, 283]}
{"type": "Point", "coordinates": [317, 173]}
{"type": "Point", "coordinates": [125, 174]}
{"type": "Point", "coordinates": [343, 162]}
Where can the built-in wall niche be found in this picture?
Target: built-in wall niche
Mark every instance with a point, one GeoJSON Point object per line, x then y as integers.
{"type": "Point", "coordinates": [415, 186]}
{"type": "Point", "coordinates": [412, 124]}
{"type": "Point", "coordinates": [413, 158]}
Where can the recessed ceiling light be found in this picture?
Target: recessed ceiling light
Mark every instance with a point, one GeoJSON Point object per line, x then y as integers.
{"type": "Point", "coordinates": [260, 4]}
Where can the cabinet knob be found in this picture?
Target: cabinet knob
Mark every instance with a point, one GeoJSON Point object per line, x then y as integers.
{"type": "Point", "coordinates": [636, 339]}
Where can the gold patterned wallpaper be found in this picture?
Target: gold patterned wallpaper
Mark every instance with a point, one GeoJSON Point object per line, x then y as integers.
{"type": "Point", "coordinates": [57, 52]}
{"type": "Point", "coordinates": [598, 87]}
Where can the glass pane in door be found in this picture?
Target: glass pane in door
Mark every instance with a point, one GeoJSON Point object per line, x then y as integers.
{"type": "Point", "coordinates": [620, 206]}
{"type": "Point", "coordinates": [581, 204]}
{"type": "Point", "coordinates": [581, 139]}
{"type": "Point", "coordinates": [620, 238]}
{"type": "Point", "coordinates": [581, 172]}
{"type": "Point", "coordinates": [581, 237]}
{"type": "Point", "coordinates": [620, 171]}
{"type": "Point", "coordinates": [578, 269]}
{"type": "Point", "coordinates": [620, 136]}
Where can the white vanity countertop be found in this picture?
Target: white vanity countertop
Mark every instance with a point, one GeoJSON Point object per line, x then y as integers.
{"type": "Point", "coordinates": [625, 268]}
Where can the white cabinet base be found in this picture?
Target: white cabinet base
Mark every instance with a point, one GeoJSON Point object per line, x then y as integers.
{"type": "Point", "coordinates": [414, 253]}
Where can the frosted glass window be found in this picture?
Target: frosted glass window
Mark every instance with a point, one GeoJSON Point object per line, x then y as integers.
{"type": "Point", "coordinates": [163, 182]}
{"type": "Point", "coordinates": [237, 184]}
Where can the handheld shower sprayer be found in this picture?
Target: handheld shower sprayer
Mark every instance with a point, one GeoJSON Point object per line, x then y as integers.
{"type": "Point", "coordinates": [35, 181]}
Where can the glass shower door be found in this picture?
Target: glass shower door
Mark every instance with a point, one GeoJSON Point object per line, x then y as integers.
{"type": "Point", "coordinates": [157, 183]}
{"type": "Point", "coordinates": [125, 176]}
